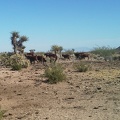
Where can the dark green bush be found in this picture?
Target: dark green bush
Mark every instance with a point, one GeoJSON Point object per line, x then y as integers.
{"type": "Point", "coordinates": [54, 73]}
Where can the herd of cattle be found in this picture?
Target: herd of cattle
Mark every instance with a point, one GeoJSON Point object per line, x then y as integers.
{"type": "Point", "coordinates": [53, 57]}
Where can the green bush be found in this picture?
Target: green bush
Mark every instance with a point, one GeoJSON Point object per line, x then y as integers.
{"type": "Point", "coordinates": [20, 60]}
{"type": "Point", "coordinates": [5, 59]}
{"type": "Point", "coordinates": [1, 113]}
{"type": "Point", "coordinates": [15, 61]}
{"type": "Point", "coordinates": [81, 67]}
{"type": "Point", "coordinates": [104, 51]}
{"type": "Point", "coordinates": [16, 67]}
{"type": "Point", "coordinates": [54, 73]}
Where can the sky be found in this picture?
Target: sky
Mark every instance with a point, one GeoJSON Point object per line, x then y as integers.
{"type": "Point", "coordinates": [73, 24]}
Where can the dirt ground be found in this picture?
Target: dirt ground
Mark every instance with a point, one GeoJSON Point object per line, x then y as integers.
{"type": "Point", "coordinates": [92, 95]}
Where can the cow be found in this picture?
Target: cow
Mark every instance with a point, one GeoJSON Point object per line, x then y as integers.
{"type": "Point", "coordinates": [30, 54]}
{"type": "Point", "coordinates": [66, 56]}
{"type": "Point", "coordinates": [81, 55]}
{"type": "Point", "coordinates": [32, 59]}
{"type": "Point", "coordinates": [77, 55]}
{"type": "Point", "coordinates": [84, 55]}
{"type": "Point", "coordinates": [53, 57]}
{"type": "Point", "coordinates": [41, 59]}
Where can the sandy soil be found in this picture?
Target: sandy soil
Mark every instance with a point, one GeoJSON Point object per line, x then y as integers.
{"type": "Point", "coordinates": [93, 95]}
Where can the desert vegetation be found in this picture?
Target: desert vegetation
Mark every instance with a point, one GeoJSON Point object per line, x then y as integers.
{"type": "Point", "coordinates": [78, 88]}
{"type": "Point", "coordinates": [81, 67]}
{"type": "Point", "coordinates": [54, 73]}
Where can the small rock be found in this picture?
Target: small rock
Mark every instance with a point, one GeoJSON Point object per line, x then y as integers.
{"type": "Point", "coordinates": [19, 94]}
{"type": "Point", "coordinates": [95, 108]}
{"type": "Point", "coordinates": [36, 112]}
{"type": "Point", "coordinates": [20, 81]}
{"type": "Point", "coordinates": [98, 88]}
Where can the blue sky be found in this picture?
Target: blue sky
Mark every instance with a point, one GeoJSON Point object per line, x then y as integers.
{"type": "Point", "coordinates": [68, 23]}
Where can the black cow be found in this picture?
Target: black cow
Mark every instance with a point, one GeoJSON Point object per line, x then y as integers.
{"type": "Point", "coordinates": [77, 55]}
{"type": "Point", "coordinates": [81, 55]}
{"type": "Point", "coordinates": [53, 57]}
{"type": "Point", "coordinates": [66, 56]}
{"type": "Point", "coordinates": [41, 59]}
{"type": "Point", "coordinates": [84, 55]}
{"type": "Point", "coordinates": [31, 58]}
{"type": "Point", "coordinates": [30, 54]}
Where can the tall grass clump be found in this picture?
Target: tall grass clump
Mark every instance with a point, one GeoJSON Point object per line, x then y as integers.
{"type": "Point", "coordinates": [54, 73]}
{"type": "Point", "coordinates": [81, 67]}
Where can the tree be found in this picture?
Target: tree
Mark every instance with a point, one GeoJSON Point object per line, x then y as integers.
{"type": "Point", "coordinates": [70, 52]}
{"type": "Point", "coordinates": [20, 45]}
{"type": "Point", "coordinates": [55, 48]}
{"type": "Point", "coordinates": [14, 37]}
{"type": "Point", "coordinates": [60, 50]}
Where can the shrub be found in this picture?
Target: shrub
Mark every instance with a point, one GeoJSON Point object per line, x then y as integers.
{"type": "Point", "coordinates": [5, 59]}
{"type": "Point", "coordinates": [15, 61]}
{"type": "Point", "coordinates": [104, 51]}
{"type": "Point", "coordinates": [81, 67]}
{"type": "Point", "coordinates": [16, 67]}
{"type": "Point", "coordinates": [54, 73]}
{"type": "Point", "coordinates": [19, 60]}
{"type": "Point", "coordinates": [1, 113]}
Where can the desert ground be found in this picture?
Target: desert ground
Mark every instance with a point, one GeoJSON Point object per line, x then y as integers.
{"type": "Point", "coordinates": [91, 95]}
